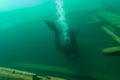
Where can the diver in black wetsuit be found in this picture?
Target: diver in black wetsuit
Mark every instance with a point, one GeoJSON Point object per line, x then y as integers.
{"type": "Point", "coordinates": [70, 49]}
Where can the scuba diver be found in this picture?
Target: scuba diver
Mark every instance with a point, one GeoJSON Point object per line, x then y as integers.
{"type": "Point", "coordinates": [66, 46]}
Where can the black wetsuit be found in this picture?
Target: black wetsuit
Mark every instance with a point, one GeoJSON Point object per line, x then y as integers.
{"type": "Point", "coordinates": [70, 50]}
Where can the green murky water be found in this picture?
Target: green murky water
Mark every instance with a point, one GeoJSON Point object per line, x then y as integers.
{"type": "Point", "coordinates": [26, 42]}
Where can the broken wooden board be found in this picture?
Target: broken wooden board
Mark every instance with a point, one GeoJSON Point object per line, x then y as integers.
{"type": "Point", "coordinates": [112, 34]}
{"type": "Point", "coordinates": [13, 74]}
{"type": "Point", "coordinates": [112, 51]}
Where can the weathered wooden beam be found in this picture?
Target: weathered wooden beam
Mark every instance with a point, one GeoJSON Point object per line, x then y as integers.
{"type": "Point", "coordinates": [112, 51]}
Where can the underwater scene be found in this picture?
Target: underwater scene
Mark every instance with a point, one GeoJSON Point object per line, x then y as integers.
{"type": "Point", "coordinates": [59, 39]}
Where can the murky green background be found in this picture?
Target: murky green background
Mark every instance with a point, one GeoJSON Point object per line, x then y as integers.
{"type": "Point", "coordinates": [24, 37]}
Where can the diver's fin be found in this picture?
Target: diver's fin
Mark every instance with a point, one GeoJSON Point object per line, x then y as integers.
{"type": "Point", "coordinates": [51, 25]}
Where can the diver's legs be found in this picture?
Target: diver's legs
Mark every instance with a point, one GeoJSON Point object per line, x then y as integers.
{"type": "Point", "coordinates": [51, 25]}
